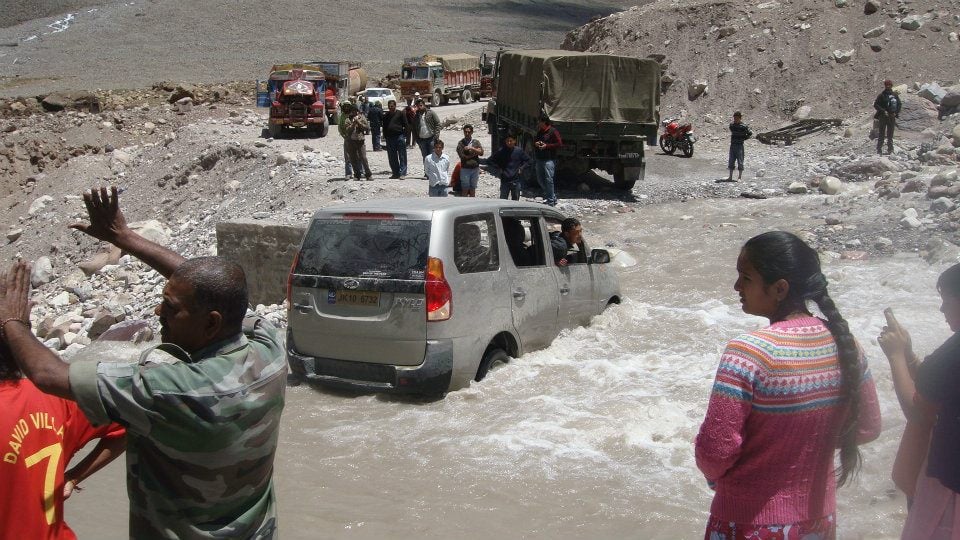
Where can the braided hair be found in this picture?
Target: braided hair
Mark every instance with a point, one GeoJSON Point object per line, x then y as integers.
{"type": "Point", "coordinates": [780, 255]}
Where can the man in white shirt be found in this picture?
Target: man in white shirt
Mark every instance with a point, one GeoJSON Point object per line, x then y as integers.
{"type": "Point", "coordinates": [436, 166]}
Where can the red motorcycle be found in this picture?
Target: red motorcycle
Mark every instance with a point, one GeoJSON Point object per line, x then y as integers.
{"type": "Point", "coordinates": [677, 136]}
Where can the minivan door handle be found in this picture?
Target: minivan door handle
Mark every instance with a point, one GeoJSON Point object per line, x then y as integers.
{"type": "Point", "coordinates": [519, 294]}
{"type": "Point", "coordinates": [565, 290]}
{"type": "Point", "coordinates": [302, 308]}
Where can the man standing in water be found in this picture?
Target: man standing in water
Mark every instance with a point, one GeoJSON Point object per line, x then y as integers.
{"type": "Point", "coordinates": [202, 409]}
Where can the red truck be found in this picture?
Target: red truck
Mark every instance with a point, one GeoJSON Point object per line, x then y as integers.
{"type": "Point", "coordinates": [296, 97]}
{"type": "Point", "coordinates": [440, 78]}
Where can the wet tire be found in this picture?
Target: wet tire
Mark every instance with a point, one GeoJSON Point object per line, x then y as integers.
{"type": "Point", "coordinates": [667, 145]}
{"type": "Point", "coordinates": [493, 358]}
{"type": "Point", "coordinates": [323, 130]}
{"type": "Point", "coordinates": [624, 178]}
{"type": "Point", "coordinates": [687, 149]}
{"type": "Point", "coordinates": [275, 130]}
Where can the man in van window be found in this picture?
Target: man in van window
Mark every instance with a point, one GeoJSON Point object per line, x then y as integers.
{"type": "Point", "coordinates": [888, 105]}
{"type": "Point", "coordinates": [563, 241]}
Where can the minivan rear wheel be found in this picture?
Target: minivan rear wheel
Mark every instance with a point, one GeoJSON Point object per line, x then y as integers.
{"type": "Point", "coordinates": [493, 358]}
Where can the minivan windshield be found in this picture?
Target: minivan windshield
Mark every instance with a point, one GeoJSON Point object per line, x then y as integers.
{"type": "Point", "coordinates": [375, 248]}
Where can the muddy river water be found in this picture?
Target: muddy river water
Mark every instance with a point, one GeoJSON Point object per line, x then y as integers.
{"type": "Point", "coordinates": [590, 438]}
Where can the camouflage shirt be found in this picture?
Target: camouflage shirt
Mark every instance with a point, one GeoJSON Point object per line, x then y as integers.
{"type": "Point", "coordinates": [201, 433]}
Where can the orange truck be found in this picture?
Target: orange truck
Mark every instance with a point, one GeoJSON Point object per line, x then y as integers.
{"type": "Point", "coordinates": [441, 78]}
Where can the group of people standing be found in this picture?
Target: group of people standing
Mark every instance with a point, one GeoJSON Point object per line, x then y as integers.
{"type": "Point", "coordinates": [787, 396]}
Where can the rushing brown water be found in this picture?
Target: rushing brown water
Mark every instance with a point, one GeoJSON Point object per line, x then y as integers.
{"type": "Point", "coordinates": [590, 438]}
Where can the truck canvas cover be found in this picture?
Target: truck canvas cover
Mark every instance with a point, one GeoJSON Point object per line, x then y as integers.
{"type": "Point", "coordinates": [455, 62]}
{"type": "Point", "coordinates": [580, 87]}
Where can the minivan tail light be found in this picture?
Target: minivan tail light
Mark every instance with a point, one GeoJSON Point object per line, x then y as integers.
{"type": "Point", "coordinates": [439, 294]}
{"type": "Point", "coordinates": [296, 261]}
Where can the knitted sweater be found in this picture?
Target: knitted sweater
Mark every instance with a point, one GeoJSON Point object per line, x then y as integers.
{"type": "Point", "coordinates": [771, 430]}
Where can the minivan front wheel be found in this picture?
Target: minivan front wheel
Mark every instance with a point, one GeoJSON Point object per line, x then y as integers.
{"type": "Point", "coordinates": [493, 358]}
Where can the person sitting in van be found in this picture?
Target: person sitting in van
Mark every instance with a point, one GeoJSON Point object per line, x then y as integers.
{"type": "Point", "coordinates": [563, 241]}
{"type": "Point", "coordinates": [514, 235]}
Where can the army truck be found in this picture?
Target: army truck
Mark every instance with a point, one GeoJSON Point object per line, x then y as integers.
{"type": "Point", "coordinates": [441, 78]}
{"type": "Point", "coordinates": [605, 107]}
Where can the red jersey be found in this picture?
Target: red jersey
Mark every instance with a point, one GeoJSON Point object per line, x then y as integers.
{"type": "Point", "coordinates": [39, 434]}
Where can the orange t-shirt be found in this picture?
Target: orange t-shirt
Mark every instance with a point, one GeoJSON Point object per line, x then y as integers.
{"type": "Point", "coordinates": [39, 434]}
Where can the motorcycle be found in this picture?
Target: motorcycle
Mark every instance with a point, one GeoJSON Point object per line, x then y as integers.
{"type": "Point", "coordinates": [677, 136]}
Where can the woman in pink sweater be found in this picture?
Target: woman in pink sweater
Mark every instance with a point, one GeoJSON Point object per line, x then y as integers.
{"type": "Point", "coordinates": [784, 399]}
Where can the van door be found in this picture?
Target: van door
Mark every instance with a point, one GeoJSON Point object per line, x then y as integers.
{"type": "Point", "coordinates": [577, 283]}
{"type": "Point", "coordinates": [533, 285]}
{"type": "Point", "coordinates": [357, 289]}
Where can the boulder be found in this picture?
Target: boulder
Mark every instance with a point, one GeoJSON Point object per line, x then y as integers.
{"type": "Point", "coordinates": [938, 250]}
{"type": "Point", "coordinates": [59, 101]}
{"type": "Point", "coordinates": [932, 92]}
{"type": "Point", "coordinates": [104, 319]}
{"type": "Point", "coordinates": [14, 234]}
{"type": "Point", "coordinates": [94, 264]}
{"type": "Point", "coordinates": [831, 185]}
{"type": "Point", "coordinates": [942, 205]}
{"type": "Point", "coordinates": [696, 89]}
{"type": "Point", "coordinates": [182, 91]}
{"type": "Point", "coordinates": [917, 113]}
{"type": "Point", "coordinates": [911, 22]}
{"type": "Point", "coordinates": [955, 135]}
{"type": "Point", "coordinates": [944, 178]}
{"type": "Point", "coordinates": [935, 192]}
{"type": "Point", "coordinates": [913, 186]}
{"type": "Point", "coordinates": [152, 230]}
{"type": "Point", "coordinates": [866, 167]}
{"type": "Point", "coordinates": [42, 272]}
{"type": "Point", "coordinates": [952, 97]}
{"type": "Point", "coordinates": [39, 204]}
{"type": "Point", "coordinates": [842, 57]}
{"type": "Point", "coordinates": [875, 32]}
{"type": "Point", "coordinates": [134, 331]}
{"type": "Point", "coordinates": [797, 188]}
{"type": "Point", "coordinates": [802, 112]}
{"type": "Point", "coordinates": [871, 7]}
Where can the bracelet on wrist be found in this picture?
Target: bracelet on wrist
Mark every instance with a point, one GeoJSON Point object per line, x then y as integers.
{"type": "Point", "coordinates": [3, 325]}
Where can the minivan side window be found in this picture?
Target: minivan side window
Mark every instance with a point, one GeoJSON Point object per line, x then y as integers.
{"type": "Point", "coordinates": [524, 241]}
{"type": "Point", "coordinates": [475, 244]}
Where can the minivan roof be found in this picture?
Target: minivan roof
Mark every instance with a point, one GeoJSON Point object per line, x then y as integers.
{"type": "Point", "coordinates": [425, 206]}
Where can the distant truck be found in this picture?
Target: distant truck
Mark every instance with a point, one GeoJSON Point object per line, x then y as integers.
{"type": "Point", "coordinates": [605, 107]}
{"type": "Point", "coordinates": [295, 94]}
{"type": "Point", "coordinates": [344, 79]}
{"type": "Point", "coordinates": [441, 78]}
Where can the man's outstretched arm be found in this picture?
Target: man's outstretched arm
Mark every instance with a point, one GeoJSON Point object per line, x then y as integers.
{"type": "Point", "coordinates": [38, 363]}
{"type": "Point", "coordinates": [108, 224]}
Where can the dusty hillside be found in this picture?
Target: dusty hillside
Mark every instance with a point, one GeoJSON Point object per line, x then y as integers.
{"type": "Point", "coordinates": [133, 44]}
{"type": "Point", "coordinates": [769, 57]}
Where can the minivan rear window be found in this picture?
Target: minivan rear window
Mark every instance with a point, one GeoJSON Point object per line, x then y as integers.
{"type": "Point", "coordinates": [374, 248]}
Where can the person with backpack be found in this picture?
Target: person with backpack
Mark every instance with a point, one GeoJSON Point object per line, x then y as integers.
{"type": "Point", "coordinates": [888, 105]}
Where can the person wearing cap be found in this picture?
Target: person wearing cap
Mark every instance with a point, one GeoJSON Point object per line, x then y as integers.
{"type": "Point", "coordinates": [888, 105]}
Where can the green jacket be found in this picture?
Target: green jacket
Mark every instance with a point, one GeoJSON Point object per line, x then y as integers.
{"type": "Point", "coordinates": [201, 433]}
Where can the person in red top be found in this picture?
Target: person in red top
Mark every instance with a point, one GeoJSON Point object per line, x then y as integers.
{"type": "Point", "coordinates": [39, 434]}
{"type": "Point", "coordinates": [546, 143]}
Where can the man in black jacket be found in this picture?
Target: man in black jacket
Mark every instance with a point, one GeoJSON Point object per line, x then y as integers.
{"type": "Point", "coordinates": [739, 132]}
{"type": "Point", "coordinates": [395, 131]}
{"type": "Point", "coordinates": [888, 106]}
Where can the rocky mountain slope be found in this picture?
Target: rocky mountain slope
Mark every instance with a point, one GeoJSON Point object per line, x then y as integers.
{"type": "Point", "coordinates": [771, 57]}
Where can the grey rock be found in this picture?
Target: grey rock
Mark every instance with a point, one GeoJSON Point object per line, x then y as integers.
{"type": "Point", "coordinates": [833, 220]}
{"type": "Point", "coordinates": [938, 250]}
{"type": "Point", "coordinates": [942, 205]}
{"type": "Point", "coordinates": [39, 204]}
{"type": "Point", "coordinates": [911, 22]}
{"type": "Point", "coordinates": [913, 186]}
{"type": "Point", "coordinates": [842, 57]}
{"type": "Point", "coordinates": [932, 92]}
{"type": "Point", "coordinates": [875, 32]}
{"type": "Point", "coordinates": [797, 188]}
{"type": "Point", "coordinates": [134, 331]}
{"type": "Point", "coordinates": [831, 185]}
{"type": "Point", "coordinates": [910, 222]}
{"type": "Point", "coordinates": [42, 272]}
{"type": "Point", "coordinates": [103, 319]}
{"type": "Point", "coordinates": [802, 112]}
{"type": "Point", "coordinates": [946, 178]}
{"type": "Point", "coordinates": [696, 89]}
{"type": "Point", "coordinates": [882, 242]}
{"type": "Point", "coordinates": [866, 167]}
{"type": "Point", "coordinates": [871, 7]}
{"type": "Point", "coordinates": [14, 234]}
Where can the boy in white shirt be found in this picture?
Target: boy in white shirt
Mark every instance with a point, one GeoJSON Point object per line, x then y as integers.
{"type": "Point", "coordinates": [437, 168]}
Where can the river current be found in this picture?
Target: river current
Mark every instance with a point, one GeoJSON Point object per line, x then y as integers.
{"type": "Point", "coordinates": [591, 437]}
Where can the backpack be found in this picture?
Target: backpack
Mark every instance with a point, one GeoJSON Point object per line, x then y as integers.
{"type": "Point", "coordinates": [893, 103]}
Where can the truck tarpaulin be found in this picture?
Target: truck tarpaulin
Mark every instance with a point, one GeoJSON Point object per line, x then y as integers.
{"type": "Point", "coordinates": [457, 62]}
{"type": "Point", "coordinates": [596, 88]}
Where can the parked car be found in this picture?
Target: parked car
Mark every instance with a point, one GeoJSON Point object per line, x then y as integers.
{"type": "Point", "coordinates": [379, 95]}
{"type": "Point", "coordinates": [425, 295]}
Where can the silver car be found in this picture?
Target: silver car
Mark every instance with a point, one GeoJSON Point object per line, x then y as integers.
{"type": "Point", "coordinates": [424, 295]}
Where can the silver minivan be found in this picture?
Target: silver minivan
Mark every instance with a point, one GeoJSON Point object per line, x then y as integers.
{"type": "Point", "coordinates": [424, 295]}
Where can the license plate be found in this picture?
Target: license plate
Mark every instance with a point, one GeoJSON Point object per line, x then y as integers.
{"type": "Point", "coordinates": [353, 298]}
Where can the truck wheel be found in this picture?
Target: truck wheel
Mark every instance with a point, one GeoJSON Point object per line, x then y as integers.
{"type": "Point", "coordinates": [275, 130]}
{"type": "Point", "coordinates": [435, 100]}
{"type": "Point", "coordinates": [323, 130]}
{"type": "Point", "coordinates": [625, 177]}
{"type": "Point", "coordinates": [465, 97]}
{"type": "Point", "coordinates": [493, 358]}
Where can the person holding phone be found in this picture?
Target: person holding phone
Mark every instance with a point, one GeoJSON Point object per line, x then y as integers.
{"type": "Point", "coordinates": [927, 467]}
